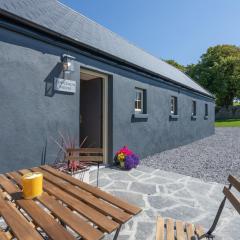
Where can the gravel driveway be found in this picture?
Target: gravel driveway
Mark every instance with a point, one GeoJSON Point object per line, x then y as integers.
{"type": "Point", "coordinates": [211, 159]}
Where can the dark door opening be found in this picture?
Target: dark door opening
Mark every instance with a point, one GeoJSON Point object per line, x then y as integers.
{"type": "Point", "coordinates": [91, 110]}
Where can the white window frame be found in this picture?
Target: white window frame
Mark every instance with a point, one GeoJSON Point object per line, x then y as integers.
{"type": "Point", "coordinates": [194, 108]}
{"type": "Point", "coordinates": [139, 102]}
{"type": "Point", "coordinates": [174, 105]}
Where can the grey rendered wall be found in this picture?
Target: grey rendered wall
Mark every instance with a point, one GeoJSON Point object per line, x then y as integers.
{"type": "Point", "coordinates": [31, 114]}
{"type": "Point", "coordinates": [157, 132]}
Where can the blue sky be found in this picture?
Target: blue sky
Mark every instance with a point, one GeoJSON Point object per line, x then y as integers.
{"type": "Point", "coordinates": [170, 29]}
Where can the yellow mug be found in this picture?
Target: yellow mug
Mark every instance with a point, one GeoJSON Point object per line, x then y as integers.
{"type": "Point", "coordinates": [32, 185]}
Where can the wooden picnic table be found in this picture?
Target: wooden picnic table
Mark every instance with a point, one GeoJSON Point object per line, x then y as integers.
{"type": "Point", "coordinates": [67, 209]}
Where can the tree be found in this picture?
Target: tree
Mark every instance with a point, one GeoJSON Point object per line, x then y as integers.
{"type": "Point", "coordinates": [176, 65]}
{"type": "Point", "coordinates": [219, 71]}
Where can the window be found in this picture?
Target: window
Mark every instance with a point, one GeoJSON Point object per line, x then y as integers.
{"type": "Point", "coordinates": [194, 108]}
{"type": "Point", "coordinates": [139, 100]}
{"type": "Point", "coordinates": [174, 110]}
{"type": "Point", "coordinates": [206, 110]}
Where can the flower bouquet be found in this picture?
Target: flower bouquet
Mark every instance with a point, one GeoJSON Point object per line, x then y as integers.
{"type": "Point", "coordinates": [126, 158]}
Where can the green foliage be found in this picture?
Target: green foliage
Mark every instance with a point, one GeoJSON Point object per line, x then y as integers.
{"type": "Point", "coordinates": [228, 123]}
{"type": "Point", "coordinates": [236, 104]}
{"type": "Point", "coordinates": [176, 65]}
{"type": "Point", "coordinates": [219, 71]}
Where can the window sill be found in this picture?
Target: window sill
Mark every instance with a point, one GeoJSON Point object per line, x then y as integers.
{"type": "Point", "coordinates": [173, 117]}
{"type": "Point", "coordinates": [193, 118]}
{"type": "Point", "coordinates": [140, 115]}
{"type": "Point", "coordinates": [205, 117]}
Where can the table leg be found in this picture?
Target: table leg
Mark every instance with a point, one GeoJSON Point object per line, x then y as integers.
{"type": "Point", "coordinates": [117, 232]}
{"type": "Point", "coordinates": [97, 174]}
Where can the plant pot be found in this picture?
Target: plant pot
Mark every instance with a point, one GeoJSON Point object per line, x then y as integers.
{"type": "Point", "coordinates": [122, 164]}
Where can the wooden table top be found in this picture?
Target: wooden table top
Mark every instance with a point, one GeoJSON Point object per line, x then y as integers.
{"type": "Point", "coordinates": [67, 209]}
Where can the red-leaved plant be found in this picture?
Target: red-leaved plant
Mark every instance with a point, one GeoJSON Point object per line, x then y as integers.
{"type": "Point", "coordinates": [64, 143]}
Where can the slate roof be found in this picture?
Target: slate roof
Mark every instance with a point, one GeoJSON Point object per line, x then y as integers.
{"type": "Point", "coordinates": [59, 18]}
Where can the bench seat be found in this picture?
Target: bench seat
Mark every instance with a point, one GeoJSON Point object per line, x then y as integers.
{"type": "Point", "coordinates": [170, 229]}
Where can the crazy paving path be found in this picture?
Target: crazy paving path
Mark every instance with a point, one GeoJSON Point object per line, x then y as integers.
{"type": "Point", "coordinates": [170, 195]}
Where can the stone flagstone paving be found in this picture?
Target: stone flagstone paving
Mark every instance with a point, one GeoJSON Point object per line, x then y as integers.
{"type": "Point", "coordinates": [170, 195]}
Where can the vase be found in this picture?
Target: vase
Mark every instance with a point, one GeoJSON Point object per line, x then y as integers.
{"type": "Point", "coordinates": [122, 164]}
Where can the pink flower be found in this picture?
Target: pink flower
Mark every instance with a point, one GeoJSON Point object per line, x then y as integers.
{"type": "Point", "coordinates": [125, 151]}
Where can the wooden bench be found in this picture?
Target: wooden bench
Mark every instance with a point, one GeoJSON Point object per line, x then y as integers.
{"type": "Point", "coordinates": [179, 230]}
{"type": "Point", "coordinates": [86, 156]}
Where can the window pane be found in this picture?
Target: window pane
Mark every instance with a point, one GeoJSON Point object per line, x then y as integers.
{"type": "Point", "coordinates": [174, 105]}
{"type": "Point", "coordinates": [137, 96]}
{"type": "Point", "coordinates": [140, 104]}
{"type": "Point", "coordinates": [136, 104]}
{"type": "Point", "coordinates": [139, 100]}
{"type": "Point", "coordinates": [194, 108]}
{"type": "Point", "coordinates": [206, 109]}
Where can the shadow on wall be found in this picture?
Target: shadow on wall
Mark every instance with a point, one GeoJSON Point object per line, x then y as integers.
{"type": "Point", "coordinates": [49, 80]}
{"type": "Point", "coordinates": [44, 151]}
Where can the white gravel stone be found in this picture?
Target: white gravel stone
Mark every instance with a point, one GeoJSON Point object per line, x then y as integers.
{"type": "Point", "coordinates": [211, 159]}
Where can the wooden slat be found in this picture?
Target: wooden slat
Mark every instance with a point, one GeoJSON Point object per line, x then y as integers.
{"type": "Point", "coordinates": [234, 181]}
{"type": "Point", "coordinates": [86, 158]}
{"type": "Point", "coordinates": [4, 236]}
{"type": "Point", "coordinates": [93, 215]}
{"type": "Point", "coordinates": [180, 230]}
{"type": "Point", "coordinates": [160, 229]}
{"type": "Point", "coordinates": [95, 191]}
{"type": "Point", "coordinates": [22, 171]}
{"type": "Point", "coordinates": [86, 150]}
{"type": "Point", "coordinates": [64, 214]}
{"type": "Point", "coordinates": [199, 232]}
{"type": "Point", "coordinates": [18, 225]}
{"type": "Point", "coordinates": [170, 229]}
{"type": "Point", "coordinates": [234, 201]}
{"type": "Point", "coordinates": [190, 231]}
{"type": "Point", "coordinates": [69, 218]}
{"type": "Point", "coordinates": [39, 216]}
{"type": "Point", "coordinates": [117, 214]}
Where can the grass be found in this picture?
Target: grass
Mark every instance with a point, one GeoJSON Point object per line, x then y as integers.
{"type": "Point", "coordinates": [228, 123]}
{"type": "Point", "coordinates": [236, 104]}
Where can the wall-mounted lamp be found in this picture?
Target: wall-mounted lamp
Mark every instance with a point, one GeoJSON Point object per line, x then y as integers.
{"type": "Point", "coordinates": [68, 65]}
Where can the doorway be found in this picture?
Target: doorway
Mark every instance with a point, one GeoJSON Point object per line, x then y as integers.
{"type": "Point", "coordinates": [93, 110]}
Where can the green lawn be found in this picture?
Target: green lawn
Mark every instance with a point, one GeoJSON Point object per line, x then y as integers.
{"type": "Point", "coordinates": [228, 123]}
{"type": "Point", "coordinates": [236, 104]}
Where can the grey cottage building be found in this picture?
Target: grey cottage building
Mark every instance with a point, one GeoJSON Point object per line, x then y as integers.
{"type": "Point", "coordinates": [64, 73]}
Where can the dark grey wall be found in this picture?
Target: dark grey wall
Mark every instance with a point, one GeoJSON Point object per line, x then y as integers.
{"type": "Point", "coordinates": [31, 114]}
{"type": "Point", "coordinates": [157, 132]}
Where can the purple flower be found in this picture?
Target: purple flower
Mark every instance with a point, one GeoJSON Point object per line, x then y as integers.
{"type": "Point", "coordinates": [135, 159]}
{"type": "Point", "coordinates": [129, 162]}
